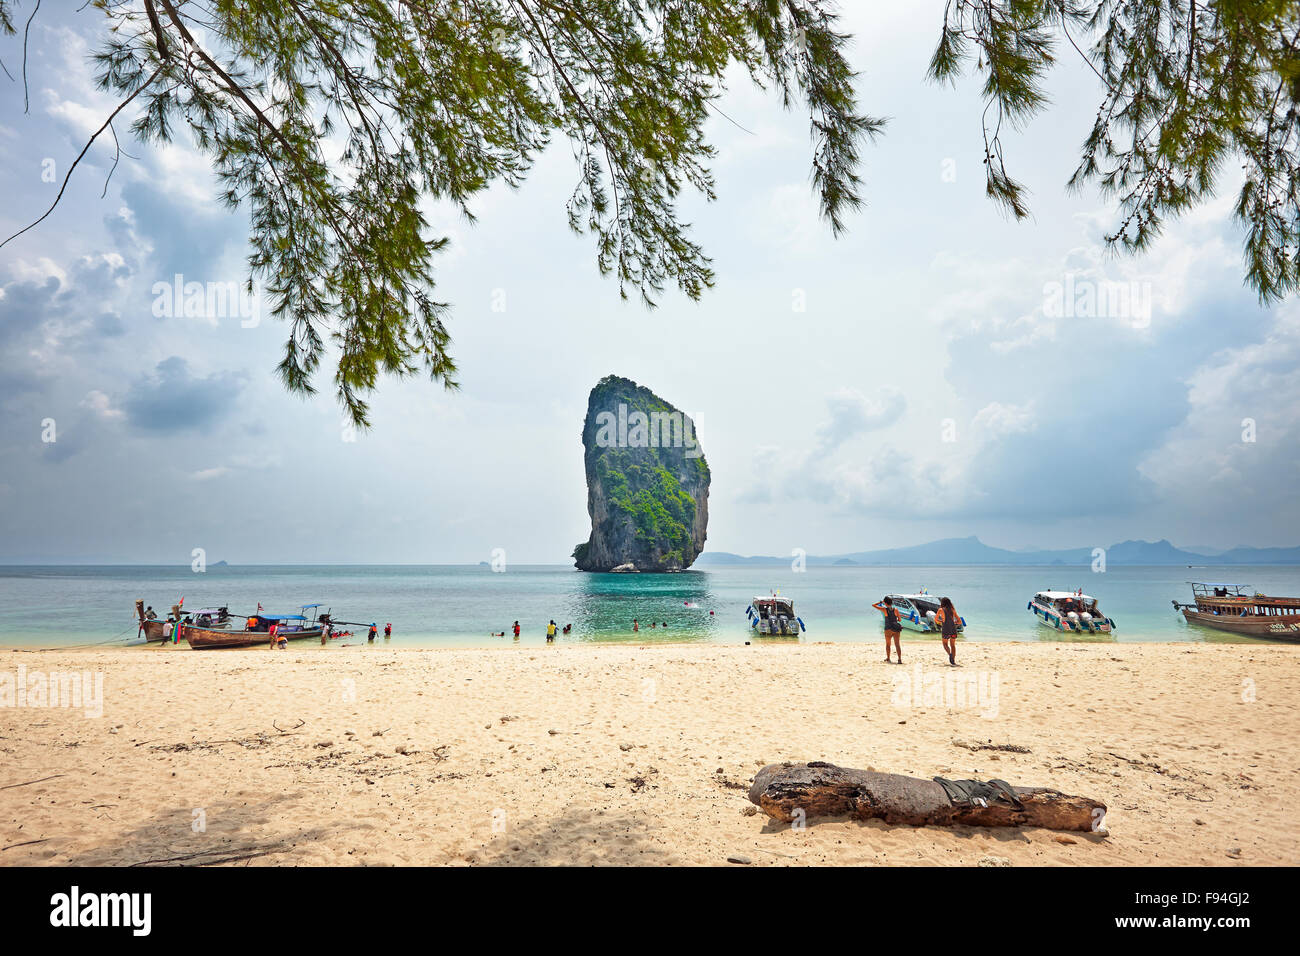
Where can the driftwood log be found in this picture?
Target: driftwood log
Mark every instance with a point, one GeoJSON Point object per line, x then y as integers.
{"type": "Point", "coordinates": [818, 789]}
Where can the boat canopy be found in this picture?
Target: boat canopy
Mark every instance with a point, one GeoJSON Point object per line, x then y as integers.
{"type": "Point", "coordinates": [1061, 595]}
{"type": "Point", "coordinates": [280, 617]}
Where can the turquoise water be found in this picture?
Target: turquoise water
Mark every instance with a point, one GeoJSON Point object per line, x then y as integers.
{"type": "Point", "coordinates": [460, 605]}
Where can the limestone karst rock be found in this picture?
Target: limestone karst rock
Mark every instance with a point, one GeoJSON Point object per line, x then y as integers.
{"type": "Point", "coordinates": [647, 482]}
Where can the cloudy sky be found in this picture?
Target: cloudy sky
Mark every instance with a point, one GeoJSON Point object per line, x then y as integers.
{"type": "Point", "coordinates": [915, 379]}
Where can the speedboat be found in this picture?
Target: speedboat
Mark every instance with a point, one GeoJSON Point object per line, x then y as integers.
{"type": "Point", "coordinates": [774, 616]}
{"type": "Point", "coordinates": [916, 612]}
{"type": "Point", "coordinates": [1071, 611]}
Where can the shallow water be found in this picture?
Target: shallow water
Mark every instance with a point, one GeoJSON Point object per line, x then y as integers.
{"type": "Point", "coordinates": [443, 605]}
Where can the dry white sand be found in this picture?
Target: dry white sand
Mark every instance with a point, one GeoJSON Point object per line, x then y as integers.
{"type": "Point", "coordinates": [640, 755]}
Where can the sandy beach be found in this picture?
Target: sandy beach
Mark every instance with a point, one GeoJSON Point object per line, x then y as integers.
{"type": "Point", "coordinates": [638, 755]}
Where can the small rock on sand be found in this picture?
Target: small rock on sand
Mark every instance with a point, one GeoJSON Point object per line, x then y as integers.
{"type": "Point", "coordinates": [994, 861]}
{"type": "Point", "coordinates": [737, 858]}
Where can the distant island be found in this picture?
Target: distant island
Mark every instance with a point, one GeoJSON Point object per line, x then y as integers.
{"type": "Point", "coordinates": [973, 551]}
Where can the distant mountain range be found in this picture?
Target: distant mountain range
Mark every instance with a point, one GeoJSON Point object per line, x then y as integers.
{"type": "Point", "coordinates": [972, 550]}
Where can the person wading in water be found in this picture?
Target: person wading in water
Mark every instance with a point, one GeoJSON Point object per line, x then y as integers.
{"type": "Point", "coordinates": [947, 620]}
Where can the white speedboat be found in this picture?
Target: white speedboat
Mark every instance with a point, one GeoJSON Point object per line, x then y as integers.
{"type": "Point", "coordinates": [774, 616]}
{"type": "Point", "coordinates": [1071, 611]}
{"type": "Point", "coordinates": [916, 612]}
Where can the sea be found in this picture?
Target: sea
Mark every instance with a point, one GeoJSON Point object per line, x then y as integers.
{"type": "Point", "coordinates": [460, 605]}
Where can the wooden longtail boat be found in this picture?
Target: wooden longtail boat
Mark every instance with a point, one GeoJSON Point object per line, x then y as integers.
{"type": "Point", "coordinates": [1236, 608]}
{"type": "Point", "coordinates": [293, 627]}
{"type": "Point", "coordinates": [154, 629]}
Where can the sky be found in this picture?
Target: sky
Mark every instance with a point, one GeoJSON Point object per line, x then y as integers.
{"type": "Point", "coordinates": [916, 378]}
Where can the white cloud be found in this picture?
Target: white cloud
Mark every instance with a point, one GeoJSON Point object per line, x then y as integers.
{"type": "Point", "coordinates": [996, 419]}
{"type": "Point", "coordinates": [101, 405]}
{"type": "Point", "coordinates": [852, 414]}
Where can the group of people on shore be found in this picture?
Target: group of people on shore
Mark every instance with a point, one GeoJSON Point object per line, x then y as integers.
{"type": "Point", "coordinates": [946, 620]}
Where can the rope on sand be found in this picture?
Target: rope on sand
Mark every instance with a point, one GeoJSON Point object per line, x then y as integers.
{"type": "Point", "coordinates": [117, 638]}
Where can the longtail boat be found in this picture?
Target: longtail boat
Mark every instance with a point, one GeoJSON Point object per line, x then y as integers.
{"type": "Point", "coordinates": [1240, 609]}
{"type": "Point", "coordinates": [257, 630]}
{"type": "Point", "coordinates": [153, 628]}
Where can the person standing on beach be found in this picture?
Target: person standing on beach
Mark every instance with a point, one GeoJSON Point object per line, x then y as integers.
{"type": "Point", "coordinates": [516, 630]}
{"type": "Point", "coordinates": [636, 626]}
{"type": "Point", "coordinates": [893, 630]}
{"type": "Point", "coordinates": [946, 619]}
{"type": "Point", "coordinates": [550, 633]}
